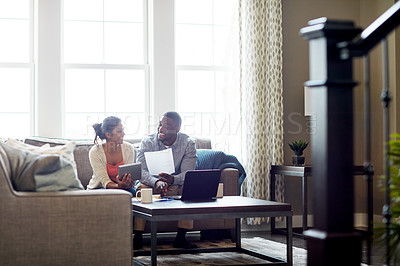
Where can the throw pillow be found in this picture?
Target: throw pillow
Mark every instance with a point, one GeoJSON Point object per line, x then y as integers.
{"type": "Point", "coordinates": [32, 171]}
{"type": "Point", "coordinates": [25, 147]}
{"type": "Point", "coordinates": [66, 151]}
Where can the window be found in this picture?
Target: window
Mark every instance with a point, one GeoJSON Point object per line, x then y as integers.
{"type": "Point", "coordinates": [105, 65]}
{"type": "Point", "coordinates": [207, 81]}
{"type": "Point", "coordinates": [16, 68]}
{"type": "Point", "coordinates": [83, 60]}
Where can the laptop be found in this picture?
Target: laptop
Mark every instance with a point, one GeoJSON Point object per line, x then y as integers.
{"type": "Point", "coordinates": [200, 185]}
{"type": "Point", "coordinates": [135, 169]}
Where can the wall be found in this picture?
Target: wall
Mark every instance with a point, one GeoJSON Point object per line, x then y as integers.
{"type": "Point", "coordinates": [296, 14]}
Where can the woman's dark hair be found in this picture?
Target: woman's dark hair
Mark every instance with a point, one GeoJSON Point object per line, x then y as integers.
{"type": "Point", "coordinates": [108, 125]}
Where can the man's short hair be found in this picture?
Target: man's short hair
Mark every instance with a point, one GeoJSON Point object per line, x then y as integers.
{"type": "Point", "coordinates": [174, 116]}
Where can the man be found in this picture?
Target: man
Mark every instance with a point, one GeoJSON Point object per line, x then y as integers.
{"type": "Point", "coordinates": [184, 154]}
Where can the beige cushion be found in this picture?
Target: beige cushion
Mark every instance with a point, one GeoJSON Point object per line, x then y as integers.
{"type": "Point", "coordinates": [32, 171]}
{"type": "Point", "coordinates": [26, 147]}
{"type": "Point", "coordinates": [66, 151]}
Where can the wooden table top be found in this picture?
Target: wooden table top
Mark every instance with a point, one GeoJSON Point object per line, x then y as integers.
{"type": "Point", "coordinates": [226, 205]}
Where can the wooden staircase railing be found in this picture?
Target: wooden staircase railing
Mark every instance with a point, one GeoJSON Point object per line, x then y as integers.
{"type": "Point", "coordinates": [333, 45]}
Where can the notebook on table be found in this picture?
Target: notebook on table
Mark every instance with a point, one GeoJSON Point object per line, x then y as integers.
{"type": "Point", "coordinates": [200, 185]}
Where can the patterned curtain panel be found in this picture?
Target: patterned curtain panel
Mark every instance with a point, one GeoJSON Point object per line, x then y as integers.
{"type": "Point", "coordinates": [261, 93]}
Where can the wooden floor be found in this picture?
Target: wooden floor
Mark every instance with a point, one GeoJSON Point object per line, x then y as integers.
{"type": "Point", "coordinates": [264, 232]}
{"type": "Point", "coordinates": [217, 241]}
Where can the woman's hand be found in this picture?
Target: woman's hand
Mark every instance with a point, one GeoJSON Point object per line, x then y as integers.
{"type": "Point", "coordinates": [125, 182]}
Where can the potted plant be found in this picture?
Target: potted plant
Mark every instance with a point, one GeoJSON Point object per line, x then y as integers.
{"type": "Point", "coordinates": [380, 232]}
{"type": "Point", "coordinates": [298, 147]}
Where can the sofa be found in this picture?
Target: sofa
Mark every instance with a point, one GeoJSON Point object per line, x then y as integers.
{"type": "Point", "coordinates": [229, 176]}
{"type": "Point", "coordinates": [78, 227]}
{"type": "Point", "coordinates": [75, 227]}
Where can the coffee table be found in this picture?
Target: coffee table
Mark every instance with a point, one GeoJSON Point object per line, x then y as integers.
{"type": "Point", "coordinates": [227, 207]}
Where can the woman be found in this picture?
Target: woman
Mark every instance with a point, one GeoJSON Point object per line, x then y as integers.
{"type": "Point", "coordinates": [105, 157]}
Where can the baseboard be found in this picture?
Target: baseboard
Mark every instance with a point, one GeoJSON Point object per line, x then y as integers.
{"type": "Point", "coordinates": [297, 221]}
{"type": "Point", "coordinates": [360, 220]}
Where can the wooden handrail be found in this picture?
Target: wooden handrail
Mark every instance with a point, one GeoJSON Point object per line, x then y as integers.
{"type": "Point", "coordinates": [373, 34]}
{"type": "Point", "coordinates": [333, 45]}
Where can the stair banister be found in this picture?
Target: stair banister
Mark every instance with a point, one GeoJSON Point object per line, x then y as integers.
{"type": "Point", "coordinates": [373, 34]}
{"type": "Point", "coordinates": [333, 45]}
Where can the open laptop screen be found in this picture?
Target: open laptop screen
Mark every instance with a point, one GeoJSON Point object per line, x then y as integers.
{"type": "Point", "coordinates": [201, 185]}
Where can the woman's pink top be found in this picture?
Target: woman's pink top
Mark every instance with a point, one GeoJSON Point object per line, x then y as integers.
{"type": "Point", "coordinates": [112, 171]}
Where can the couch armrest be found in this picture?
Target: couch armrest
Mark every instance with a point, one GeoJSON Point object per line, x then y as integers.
{"type": "Point", "coordinates": [66, 228]}
{"type": "Point", "coordinates": [230, 178]}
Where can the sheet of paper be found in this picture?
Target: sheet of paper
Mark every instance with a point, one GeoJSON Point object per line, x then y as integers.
{"type": "Point", "coordinates": [160, 162]}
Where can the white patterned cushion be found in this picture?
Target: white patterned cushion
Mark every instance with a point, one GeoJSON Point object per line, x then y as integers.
{"type": "Point", "coordinates": [66, 151]}
{"type": "Point", "coordinates": [33, 171]}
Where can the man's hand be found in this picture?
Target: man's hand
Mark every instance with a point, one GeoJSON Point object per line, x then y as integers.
{"type": "Point", "coordinates": [169, 179]}
{"type": "Point", "coordinates": [161, 187]}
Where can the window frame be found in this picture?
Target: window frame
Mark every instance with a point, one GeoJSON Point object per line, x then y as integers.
{"type": "Point", "coordinates": [105, 66]}
{"type": "Point", "coordinates": [48, 110]}
{"type": "Point", "coordinates": [232, 126]}
{"type": "Point", "coordinates": [30, 66]}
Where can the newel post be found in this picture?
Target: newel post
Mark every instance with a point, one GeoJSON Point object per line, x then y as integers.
{"type": "Point", "coordinates": [332, 240]}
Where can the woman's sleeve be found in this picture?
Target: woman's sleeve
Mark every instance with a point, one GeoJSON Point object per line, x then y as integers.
{"type": "Point", "coordinates": [129, 153]}
{"type": "Point", "coordinates": [99, 166]}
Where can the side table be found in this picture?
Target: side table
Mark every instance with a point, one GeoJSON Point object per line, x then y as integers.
{"type": "Point", "coordinates": [304, 172]}
{"type": "Point", "coordinates": [301, 171]}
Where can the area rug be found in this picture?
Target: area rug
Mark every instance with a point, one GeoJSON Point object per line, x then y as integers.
{"type": "Point", "coordinates": [267, 247]}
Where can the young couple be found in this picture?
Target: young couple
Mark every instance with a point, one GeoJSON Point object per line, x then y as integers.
{"type": "Point", "coordinates": [105, 157]}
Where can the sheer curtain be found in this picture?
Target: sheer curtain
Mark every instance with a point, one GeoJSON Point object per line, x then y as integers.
{"type": "Point", "coordinates": [261, 95]}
